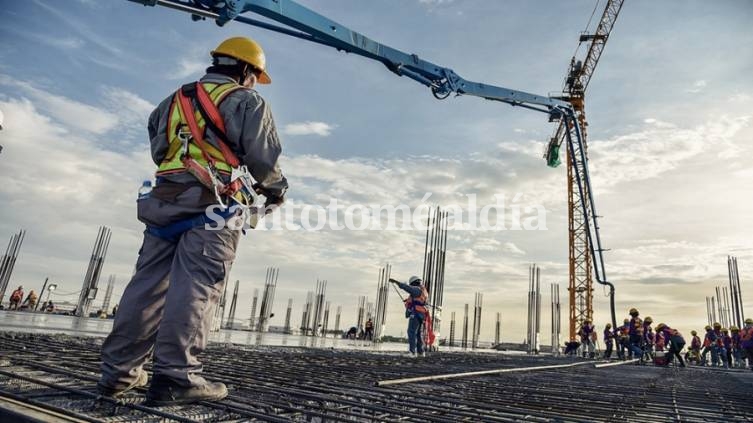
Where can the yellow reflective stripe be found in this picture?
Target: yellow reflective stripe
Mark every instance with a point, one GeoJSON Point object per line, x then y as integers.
{"type": "Point", "coordinates": [172, 161]}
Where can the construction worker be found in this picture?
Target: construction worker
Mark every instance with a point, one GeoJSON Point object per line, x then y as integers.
{"type": "Point", "coordinates": [369, 330]}
{"type": "Point", "coordinates": [31, 300]}
{"type": "Point", "coordinates": [16, 297]}
{"type": "Point", "coordinates": [635, 334]}
{"type": "Point", "coordinates": [721, 352]}
{"type": "Point", "coordinates": [694, 353]}
{"type": "Point", "coordinates": [709, 340]}
{"type": "Point", "coordinates": [205, 137]}
{"type": "Point", "coordinates": [609, 336]}
{"type": "Point", "coordinates": [746, 340]}
{"type": "Point", "coordinates": [416, 312]}
{"type": "Point", "coordinates": [648, 336]}
{"type": "Point", "coordinates": [676, 342]}
{"type": "Point", "coordinates": [624, 340]}
{"type": "Point", "coordinates": [737, 352]}
{"type": "Point", "coordinates": [586, 332]}
{"type": "Point", "coordinates": [727, 345]}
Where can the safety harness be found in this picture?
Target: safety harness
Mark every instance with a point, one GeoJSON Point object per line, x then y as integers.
{"type": "Point", "coordinates": [220, 163]}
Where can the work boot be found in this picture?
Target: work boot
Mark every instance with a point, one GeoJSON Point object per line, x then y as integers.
{"type": "Point", "coordinates": [108, 391]}
{"type": "Point", "coordinates": [164, 391]}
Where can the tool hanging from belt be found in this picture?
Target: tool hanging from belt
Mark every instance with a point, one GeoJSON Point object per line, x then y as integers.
{"type": "Point", "coordinates": [240, 187]}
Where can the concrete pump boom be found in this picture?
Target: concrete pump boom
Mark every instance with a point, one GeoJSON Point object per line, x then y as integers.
{"type": "Point", "coordinates": [306, 24]}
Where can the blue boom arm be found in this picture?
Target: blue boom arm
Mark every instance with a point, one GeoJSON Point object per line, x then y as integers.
{"type": "Point", "coordinates": [306, 24]}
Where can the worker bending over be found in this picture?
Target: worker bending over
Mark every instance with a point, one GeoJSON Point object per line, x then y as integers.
{"type": "Point", "coordinates": [416, 312]}
{"type": "Point", "coordinates": [675, 340]}
{"type": "Point", "coordinates": [202, 137]}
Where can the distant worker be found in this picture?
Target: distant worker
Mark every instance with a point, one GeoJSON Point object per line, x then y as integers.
{"type": "Point", "coordinates": [694, 352]}
{"type": "Point", "coordinates": [636, 334]}
{"type": "Point", "coordinates": [50, 307]}
{"type": "Point", "coordinates": [16, 297]}
{"type": "Point", "coordinates": [416, 312]}
{"type": "Point", "coordinates": [608, 341]}
{"type": "Point", "coordinates": [649, 337]}
{"type": "Point", "coordinates": [737, 352]}
{"type": "Point", "coordinates": [727, 344]}
{"type": "Point", "coordinates": [352, 332]}
{"type": "Point", "coordinates": [369, 330]}
{"type": "Point", "coordinates": [623, 341]}
{"type": "Point", "coordinates": [202, 135]}
{"type": "Point", "coordinates": [746, 340]}
{"type": "Point", "coordinates": [708, 346]}
{"type": "Point", "coordinates": [31, 300]}
{"type": "Point", "coordinates": [586, 332]}
{"type": "Point", "coordinates": [721, 352]}
{"type": "Point", "coordinates": [675, 340]}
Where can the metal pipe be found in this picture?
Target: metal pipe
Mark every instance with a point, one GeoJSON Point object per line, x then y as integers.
{"type": "Point", "coordinates": [477, 373]}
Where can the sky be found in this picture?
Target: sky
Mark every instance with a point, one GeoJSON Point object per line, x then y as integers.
{"type": "Point", "coordinates": [669, 112]}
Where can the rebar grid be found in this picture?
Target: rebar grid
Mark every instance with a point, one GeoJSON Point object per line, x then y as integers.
{"type": "Point", "coordinates": [297, 384]}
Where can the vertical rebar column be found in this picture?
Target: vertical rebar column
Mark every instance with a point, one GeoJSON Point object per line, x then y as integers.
{"type": "Point", "coordinates": [708, 310]}
{"type": "Point", "coordinates": [337, 320]}
{"type": "Point", "coordinates": [319, 300]}
{"type": "Point", "coordinates": [307, 310]}
{"type": "Point", "coordinates": [498, 328]}
{"type": "Point", "coordinates": [233, 303]}
{"type": "Point", "coordinates": [713, 310]}
{"type": "Point", "coordinates": [380, 316]}
{"type": "Point", "coordinates": [108, 293]}
{"type": "Point", "coordinates": [268, 299]}
{"type": "Point", "coordinates": [735, 291]}
{"type": "Point", "coordinates": [325, 322]}
{"type": "Point", "coordinates": [477, 303]}
{"type": "Point", "coordinates": [254, 303]}
{"type": "Point", "coordinates": [91, 279]}
{"type": "Point", "coordinates": [464, 341]}
{"type": "Point", "coordinates": [361, 312]}
{"type": "Point", "coordinates": [538, 309]}
{"type": "Point", "coordinates": [452, 329]}
{"type": "Point", "coordinates": [534, 309]}
{"type": "Point", "coordinates": [219, 311]}
{"type": "Point", "coordinates": [9, 261]}
{"type": "Point", "coordinates": [435, 250]}
{"type": "Point", "coordinates": [556, 319]}
{"type": "Point", "coordinates": [287, 315]}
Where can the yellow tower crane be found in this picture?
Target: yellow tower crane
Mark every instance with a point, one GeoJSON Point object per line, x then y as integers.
{"type": "Point", "coordinates": [579, 74]}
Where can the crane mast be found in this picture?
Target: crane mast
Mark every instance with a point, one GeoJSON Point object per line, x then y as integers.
{"type": "Point", "coordinates": [580, 286]}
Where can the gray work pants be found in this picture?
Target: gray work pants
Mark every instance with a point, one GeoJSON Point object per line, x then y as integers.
{"type": "Point", "coordinates": [168, 306]}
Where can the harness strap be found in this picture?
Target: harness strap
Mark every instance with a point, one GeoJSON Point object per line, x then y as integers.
{"type": "Point", "coordinates": [174, 231]}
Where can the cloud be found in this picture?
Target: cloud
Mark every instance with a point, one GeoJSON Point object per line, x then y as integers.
{"type": "Point", "coordinates": [74, 114]}
{"type": "Point", "coordinates": [189, 67]}
{"type": "Point", "coordinates": [309, 128]}
{"type": "Point", "coordinates": [697, 87]}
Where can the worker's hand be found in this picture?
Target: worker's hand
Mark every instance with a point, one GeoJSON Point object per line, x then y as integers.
{"type": "Point", "coordinates": [394, 280]}
{"type": "Point", "coordinates": [273, 203]}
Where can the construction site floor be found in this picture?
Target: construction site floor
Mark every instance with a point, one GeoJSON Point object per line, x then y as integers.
{"type": "Point", "coordinates": [52, 378]}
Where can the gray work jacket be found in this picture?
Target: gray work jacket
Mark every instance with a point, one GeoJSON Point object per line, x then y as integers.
{"type": "Point", "coordinates": [249, 127]}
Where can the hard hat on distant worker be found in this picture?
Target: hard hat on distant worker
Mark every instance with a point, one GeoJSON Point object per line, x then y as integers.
{"type": "Point", "coordinates": [648, 319]}
{"type": "Point", "coordinates": [708, 327]}
{"type": "Point", "coordinates": [626, 321]}
{"type": "Point", "coordinates": [660, 326]}
{"type": "Point", "coordinates": [724, 330]}
{"type": "Point", "coordinates": [694, 333]}
{"type": "Point", "coordinates": [245, 50]}
{"type": "Point", "coordinates": [414, 280]}
{"type": "Point", "coordinates": [749, 321]}
{"type": "Point", "coordinates": [717, 325]}
{"type": "Point", "coordinates": [734, 328]}
{"type": "Point", "coordinates": [609, 325]}
{"type": "Point", "coordinates": [633, 312]}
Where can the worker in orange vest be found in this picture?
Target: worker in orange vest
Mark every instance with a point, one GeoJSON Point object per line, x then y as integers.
{"type": "Point", "coordinates": [210, 139]}
{"type": "Point", "coordinates": [416, 312]}
{"type": "Point", "coordinates": [15, 298]}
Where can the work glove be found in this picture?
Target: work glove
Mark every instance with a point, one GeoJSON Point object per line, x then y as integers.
{"type": "Point", "coordinates": [272, 201]}
{"type": "Point", "coordinates": [394, 280]}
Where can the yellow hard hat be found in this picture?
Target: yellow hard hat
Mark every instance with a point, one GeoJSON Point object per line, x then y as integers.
{"type": "Point", "coordinates": [724, 329]}
{"type": "Point", "coordinates": [626, 321]}
{"type": "Point", "coordinates": [707, 327]}
{"type": "Point", "coordinates": [692, 332]}
{"type": "Point", "coordinates": [633, 311]}
{"type": "Point", "coordinates": [609, 325]}
{"type": "Point", "coordinates": [660, 326]}
{"type": "Point", "coordinates": [245, 50]}
{"type": "Point", "coordinates": [734, 328]}
{"type": "Point", "coordinates": [749, 321]}
{"type": "Point", "coordinates": [717, 325]}
{"type": "Point", "coordinates": [648, 319]}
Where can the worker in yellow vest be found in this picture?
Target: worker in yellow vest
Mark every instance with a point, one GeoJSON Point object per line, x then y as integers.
{"type": "Point", "coordinates": [208, 139]}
